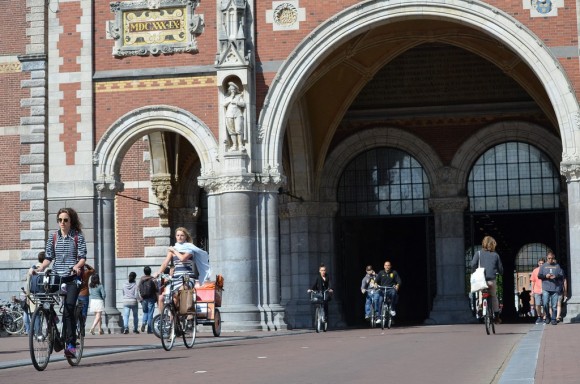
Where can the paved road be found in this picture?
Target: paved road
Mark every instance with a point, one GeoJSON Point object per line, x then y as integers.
{"type": "Point", "coordinates": [433, 354]}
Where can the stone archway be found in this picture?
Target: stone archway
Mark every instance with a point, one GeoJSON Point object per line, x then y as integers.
{"type": "Point", "coordinates": [354, 21]}
{"type": "Point", "coordinates": [108, 156]}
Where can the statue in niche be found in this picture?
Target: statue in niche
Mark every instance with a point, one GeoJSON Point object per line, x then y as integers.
{"type": "Point", "coordinates": [235, 106]}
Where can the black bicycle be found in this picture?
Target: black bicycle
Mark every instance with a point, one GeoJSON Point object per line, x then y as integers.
{"type": "Point", "coordinates": [319, 298]}
{"type": "Point", "coordinates": [178, 320]}
{"type": "Point", "coordinates": [44, 336]}
{"type": "Point", "coordinates": [386, 319]}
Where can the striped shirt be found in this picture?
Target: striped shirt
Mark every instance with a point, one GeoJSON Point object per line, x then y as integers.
{"type": "Point", "coordinates": [65, 253]}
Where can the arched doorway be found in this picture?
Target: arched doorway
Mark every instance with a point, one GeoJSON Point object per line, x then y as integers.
{"type": "Point", "coordinates": [514, 196]}
{"type": "Point", "coordinates": [383, 215]}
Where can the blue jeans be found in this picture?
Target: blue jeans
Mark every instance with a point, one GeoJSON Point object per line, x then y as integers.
{"type": "Point", "coordinates": [148, 306]}
{"type": "Point", "coordinates": [372, 296]}
{"type": "Point", "coordinates": [550, 300]}
{"type": "Point", "coordinates": [126, 311]}
{"type": "Point", "coordinates": [85, 301]}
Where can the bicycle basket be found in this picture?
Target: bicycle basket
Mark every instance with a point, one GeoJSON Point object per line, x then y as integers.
{"type": "Point", "coordinates": [316, 297]}
{"type": "Point", "coordinates": [37, 284]}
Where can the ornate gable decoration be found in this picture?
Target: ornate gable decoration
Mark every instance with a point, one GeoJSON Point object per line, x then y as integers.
{"type": "Point", "coordinates": [153, 27]}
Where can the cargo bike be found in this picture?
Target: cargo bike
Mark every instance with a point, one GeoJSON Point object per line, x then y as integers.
{"type": "Point", "coordinates": [199, 305]}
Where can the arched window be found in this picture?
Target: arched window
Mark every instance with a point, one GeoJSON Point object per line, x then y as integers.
{"type": "Point", "coordinates": [513, 176]}
{"type": "Point", "coordinates": [382, 182]}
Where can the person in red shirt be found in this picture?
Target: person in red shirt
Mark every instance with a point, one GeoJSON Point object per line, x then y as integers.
{"type": "Point", "coordinates": [537, 291]}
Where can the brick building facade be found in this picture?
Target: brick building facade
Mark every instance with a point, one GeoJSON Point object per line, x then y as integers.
{"type": "Point", "coordinates": [286, 134]}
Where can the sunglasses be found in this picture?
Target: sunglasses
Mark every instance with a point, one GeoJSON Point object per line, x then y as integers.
{"type": "Point", "coordinates": [65, 220]}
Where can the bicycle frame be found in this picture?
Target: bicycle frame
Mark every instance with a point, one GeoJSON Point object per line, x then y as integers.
{"type": "Point", "coordinates": [385, 317]}
{"type": "Point", "coordinates": [320, 315]}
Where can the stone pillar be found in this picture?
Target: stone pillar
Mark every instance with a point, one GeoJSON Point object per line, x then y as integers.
{"type": "Point", "coordinates": [306, 233]}
{"type": "Point", "coordinates": [572, 172]}
{"type": "Point", "coordinates": [105, 250]}
{"type": "Point", "coordinates": [451, 303]}
{"type": "Point", "coordinates": [269, 261]}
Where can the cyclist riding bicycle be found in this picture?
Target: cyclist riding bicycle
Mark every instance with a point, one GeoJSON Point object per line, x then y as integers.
{"type": "Point", "coordinates": [68, 249]}
{"type": "Point", "coordinates": [368, 287]}
{"type": "Point", "coordinates": [322, 283]}
{"type": "Point", "coordinates": [491, 262]}
{"type": "Point", "coordinates": [389, 278]}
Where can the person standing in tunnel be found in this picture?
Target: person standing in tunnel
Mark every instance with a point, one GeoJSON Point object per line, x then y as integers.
{"type": "Point", "coordinates": [491, 261]}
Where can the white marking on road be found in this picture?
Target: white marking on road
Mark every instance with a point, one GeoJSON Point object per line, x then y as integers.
{"type": "Point", "coordinates": [304, 347]}
{"type": "Point", "coordinates": [200, 372]}
{"type": "Point", "coordinates": [262, 357]}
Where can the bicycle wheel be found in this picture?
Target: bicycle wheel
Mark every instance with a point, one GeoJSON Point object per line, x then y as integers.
{"type": "Point", "coordinates": [373, 316]}
{"type": "Point", "coordinates": [80, 344]}
{"type": "Point", "coordinates": [40, 339]}
{"type": "Point", "coordinates": [389, 319]}
{"type": "Point", "coordinates": [216, 327]}
{"type": "Point", "coordinates": [488, 323]}
{"type": "Point", "coordinates": [167, 328]}
{"type": "Point", "coordinates": [188, 328]}
{"type": "Point", "coordinates": [157, 325]}
{"type": "Point", "coordinates": [384, 316]}
{"type": "Point", "coordinates": [16, 324]}
{"type": "Point", "coordinates": [318, 318]}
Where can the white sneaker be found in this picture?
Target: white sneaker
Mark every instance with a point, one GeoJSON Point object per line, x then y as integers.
{"type": "Point", "coordinates": [393, 313]}
{"type": "Point", "coordinates": [378, 321]}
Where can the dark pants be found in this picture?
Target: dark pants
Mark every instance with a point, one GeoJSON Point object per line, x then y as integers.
{"type": "Point", "coordinates": [68, 315]}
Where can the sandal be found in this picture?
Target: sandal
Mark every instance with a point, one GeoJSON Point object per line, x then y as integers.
{"type": "Point", "coordinates": [558, 319]}
{"type": "Point", "coordinates": [92, 331]}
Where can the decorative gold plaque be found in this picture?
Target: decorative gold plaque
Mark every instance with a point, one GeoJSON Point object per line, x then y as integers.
{"type": "Point", "coordinates": [154, 27]}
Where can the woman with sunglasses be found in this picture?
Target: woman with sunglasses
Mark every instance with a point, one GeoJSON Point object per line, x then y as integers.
{"type": "Point", "coordinates": [68, 249]}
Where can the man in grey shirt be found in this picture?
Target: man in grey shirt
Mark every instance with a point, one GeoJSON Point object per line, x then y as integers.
{"type": "Point", "coordinates": [552, 277]}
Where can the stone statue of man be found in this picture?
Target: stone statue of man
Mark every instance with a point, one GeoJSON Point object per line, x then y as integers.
{"type": "Point", "coordinates": [235, 105]}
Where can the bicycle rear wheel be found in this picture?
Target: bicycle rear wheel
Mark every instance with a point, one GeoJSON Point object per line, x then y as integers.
{"type": "Point", "coordinates": [80, 344]}
{"type": "Point", "coordinates": [488, 323]}
{"type": "Point", "coordinates": [40, 339]}
{"type": "Point", "coordinates": [157, 325]}
{"type": "Point", "coordinates": [189, 329]}
{"type": "Point", "coordinates": [319, 312]}
{"type": "Point", "coordinates": [373, 316]}
{"type": "Point", "coordinates": [167, 328]}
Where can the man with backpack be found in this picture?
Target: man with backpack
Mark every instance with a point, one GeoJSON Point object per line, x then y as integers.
{"type": "Point", "coordinates": [148, 291]}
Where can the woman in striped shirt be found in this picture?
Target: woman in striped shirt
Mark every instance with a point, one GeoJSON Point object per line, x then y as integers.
{"type": "Point", "coordinates": [68, 249]}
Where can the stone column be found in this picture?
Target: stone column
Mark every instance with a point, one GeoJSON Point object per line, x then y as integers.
{"type": "Point", "coordinates": [269, 260]}
{"type": "Point", "coordinates": [306, 233]}
{"type": "Point", "coordinates": [105, 250]}
{"type": "Point", "coordinates": [571, 170]}
{"type": "Point", "coordinates": [451, 303]}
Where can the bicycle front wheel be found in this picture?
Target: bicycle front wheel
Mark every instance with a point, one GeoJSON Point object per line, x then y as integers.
{"type": "Point", "coordinates": [189, 329]}
{"type": "Point", "coordinates": [40, 339]}
{"type": "Point", "coordinates": [167, 328]}
{"type": "Point", "coordinates": [373, 317]}
{"type": "Point", "coordinates": [384, 316]}
{"type": "Point", "coordinates": [319, 313]}
{"type": "Point", "coordinates": [80, 344]}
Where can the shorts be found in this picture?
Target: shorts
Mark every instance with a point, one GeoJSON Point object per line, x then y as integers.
{"type": "Point", "coordinates": [96, 305]}
{"type": "Point", "coordinates": [537, 299]}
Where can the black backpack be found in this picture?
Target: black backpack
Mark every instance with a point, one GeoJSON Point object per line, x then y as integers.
{"type": "Point", "coordinates": [147, 288]}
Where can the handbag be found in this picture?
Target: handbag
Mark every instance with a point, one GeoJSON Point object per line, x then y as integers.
{"type": "Point", "coordinates": [477, 280]}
